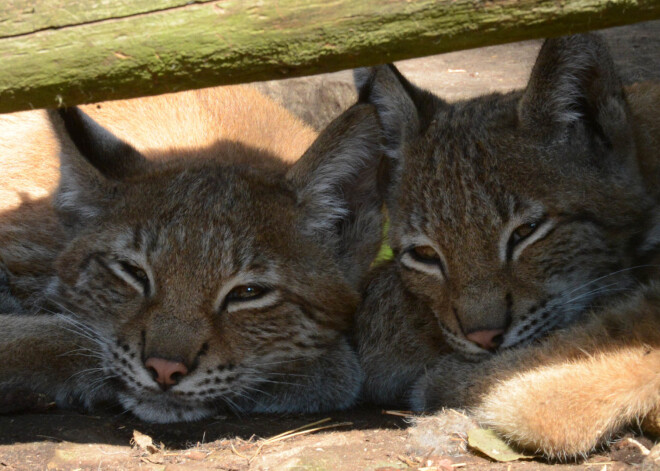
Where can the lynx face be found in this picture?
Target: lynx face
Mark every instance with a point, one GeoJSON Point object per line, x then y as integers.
{"type": "Point", "coordinates": [511, 214]}
{"type": "Point", "coordinates": [222, 297]}
{"type": "Point", "coordinates": [200, 283]}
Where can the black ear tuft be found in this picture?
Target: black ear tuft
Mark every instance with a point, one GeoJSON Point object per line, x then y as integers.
{"type": "Point", "coordinates": [404, 110]}
{"type": "Point", "coordinates": [114, 158]}
{"type": "Point", "coordinates": [93, 162]}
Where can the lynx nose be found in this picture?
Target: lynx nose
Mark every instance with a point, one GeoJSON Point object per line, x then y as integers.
{"type": "Point", "coordinates": [487, 339]}
{"type": "Point", "coordinates": [166, 372]}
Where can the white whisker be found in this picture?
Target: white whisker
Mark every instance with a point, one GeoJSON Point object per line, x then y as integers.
{"type": "Point", "coordinates": [610, 274]}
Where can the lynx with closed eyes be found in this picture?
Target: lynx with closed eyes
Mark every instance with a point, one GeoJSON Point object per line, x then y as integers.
{"type": "Point", "coordinates": [183, 264]}
{"type": "Point", "coordinates": [520, 224]}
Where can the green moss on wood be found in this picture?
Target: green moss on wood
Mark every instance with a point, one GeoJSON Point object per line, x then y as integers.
{"type": "Point", "coordinates": [140, 48]}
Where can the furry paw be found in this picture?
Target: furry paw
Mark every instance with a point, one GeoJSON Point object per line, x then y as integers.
{"type": "Point", "coordinates": [20, 401]}
{"type": "Point", "coordinates": [568, 409]}
{"type": "Point", "coordinates": [447, 384]}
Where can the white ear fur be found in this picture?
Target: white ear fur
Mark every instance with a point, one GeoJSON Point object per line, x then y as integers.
{"type": "Point", "coordinates": [389, 92]}
{"type": "Point", "coordinates": [346, 152]}
{"type": "Point", "coordinates": [337, 182]}
{"type": "Point", "coordinates": [569, 72]}
{"type": "Point", "coordinates": [326, 194]}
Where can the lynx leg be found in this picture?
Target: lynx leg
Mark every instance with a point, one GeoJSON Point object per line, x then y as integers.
{"type": "Point", "coordinates": [331, 381]}
{"type": "Point", "coordinates": [568, 394]}
{"type": "Point", "coordinates": [45, 354]}
{"type": "Point", "coordinates": [568, 409]}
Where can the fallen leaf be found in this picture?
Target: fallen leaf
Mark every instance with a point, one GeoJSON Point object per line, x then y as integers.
{"type": "Point", "coordinates": [144, 442]}
{"type": "Point", "coordinates": [490, 444]}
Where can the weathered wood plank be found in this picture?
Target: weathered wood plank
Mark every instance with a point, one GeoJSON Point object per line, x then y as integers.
{"type": "Point", "coordinates": [28, 16]}
{"type": "Point", "coordinates": [231, 41]}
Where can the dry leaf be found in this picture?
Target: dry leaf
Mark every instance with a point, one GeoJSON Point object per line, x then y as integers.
{"type": "Point", "coordinates": [490, 444]}
{"type": "Point", "coordinates": [144, 442]}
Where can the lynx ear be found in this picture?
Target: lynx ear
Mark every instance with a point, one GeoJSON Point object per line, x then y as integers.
{"type": "Point", "coordinates": [339, 186]}
{"type": "Point", "coordinates": [404, 110]}
{"type": "Point", "coordinates": [93, 162]}
{"type": "Point", "coordinates": [574, 88]}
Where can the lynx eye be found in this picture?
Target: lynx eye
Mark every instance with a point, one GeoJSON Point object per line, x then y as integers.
{"type": "Point", "coordinates": [523, 236]}
{"type": "Point", "coordinates": [424, 258]}
{"type": "Point", "coordinates": [246, 293]}
{"type": "Point", "coordinates": [425, 254]}
{"type": "Point", "coordinates": [523, 231]}
{"type": "Point", "coordinates": [136, 272]}
{"type": "Point", "coordinates": [247, 297]}
{"type": "Point", "coordinates": [133, 275]}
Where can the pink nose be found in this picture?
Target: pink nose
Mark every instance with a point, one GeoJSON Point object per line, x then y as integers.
{"type": "Point", "coordinates": [487, 339]}
{"type": "Point", "coordinates": [166, 372]}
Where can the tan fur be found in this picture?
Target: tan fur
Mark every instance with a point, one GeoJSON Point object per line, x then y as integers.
{"type": "Point", "coordinates": [228, 121]}
{"type": "Point", "coordinates": [573, 392]}
{"type": "Point", "coordinates": [183, 233]}
{"type": "Point", "coordinates": [29, 148]}
{"type": "Point", "coordinates": [535, 212]}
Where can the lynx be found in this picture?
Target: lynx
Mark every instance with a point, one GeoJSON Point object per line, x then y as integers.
{"type": "Point", "coordinates": [183, 266]}
{"type": "Point", "coordinates": [520, 224]}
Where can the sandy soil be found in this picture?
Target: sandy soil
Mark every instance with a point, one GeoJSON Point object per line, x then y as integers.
{"type": "Point", "coordinates": [363, 439]}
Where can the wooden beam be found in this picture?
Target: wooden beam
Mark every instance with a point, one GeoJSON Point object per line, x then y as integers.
{"type": "Point", "coordinates": [55, 52]}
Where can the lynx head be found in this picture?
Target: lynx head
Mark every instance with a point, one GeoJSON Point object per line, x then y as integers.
{"type": "Point", "coordinates": [511, 214]}
{"type": "Point", "coordinates": [204, 281]}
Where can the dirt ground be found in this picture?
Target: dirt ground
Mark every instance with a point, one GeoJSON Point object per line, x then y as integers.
{"type": "Point", "coordinates": [361, 439]}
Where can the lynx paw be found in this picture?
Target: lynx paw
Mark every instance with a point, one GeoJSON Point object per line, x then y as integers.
{"type": "Point", "coordinates": [569, 409]}
{"type": "Point", "coordinates": [446, 384]}
{"type": "Point", "coordinates": [536, 414]}
{"type": "Point", "coordinates": [14, 401]}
